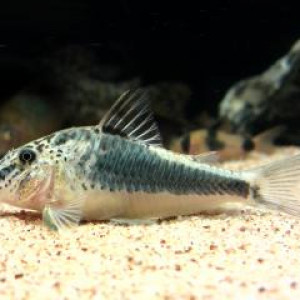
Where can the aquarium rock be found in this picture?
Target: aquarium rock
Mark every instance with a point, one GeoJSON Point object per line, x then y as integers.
{"type": "Point", "coordinates": [267, 99]}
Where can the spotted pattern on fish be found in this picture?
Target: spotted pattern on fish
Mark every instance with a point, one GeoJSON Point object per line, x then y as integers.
{"type": "Point", "coordinates": [5, 171]}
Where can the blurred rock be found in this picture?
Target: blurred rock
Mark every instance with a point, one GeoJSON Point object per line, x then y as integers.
{"type": "Point", "coordinates": [86, 94]}
{"type": "Point", "coordinates": [268, 99]}
{"type": "Point", "coordinates": [26, 117]}
{"type": "Point", "coordinates": [85, 102]}
{"type": "Point", "coordinates": [83, 89]}
{"type": "Point", "coordinates": [169, 100]}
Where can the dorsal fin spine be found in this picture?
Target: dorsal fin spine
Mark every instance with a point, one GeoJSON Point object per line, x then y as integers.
{"type": "Point", "coordinates": [111, 110]}
{"type": "Point", "coordinates": [148, 118]}
{"type": "Point", "coordinates": [134, 119]}
{"type": "Point", "coordinates": [126, 114]}
{"type": "Point", "coordinates": [131, 117]}
{"type": "Point", "coordinates": [146, 132]}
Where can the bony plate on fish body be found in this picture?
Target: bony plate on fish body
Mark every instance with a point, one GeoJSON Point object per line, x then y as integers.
{"type": "Point", "coordinates": [119, 170]}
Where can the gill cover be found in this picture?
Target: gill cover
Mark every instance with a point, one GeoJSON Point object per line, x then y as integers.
{"type": "Point", "coordinates": [35, 187]}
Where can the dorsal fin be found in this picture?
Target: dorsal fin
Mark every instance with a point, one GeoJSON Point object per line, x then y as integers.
{"type": "Point", "coordinates": [132, 118]}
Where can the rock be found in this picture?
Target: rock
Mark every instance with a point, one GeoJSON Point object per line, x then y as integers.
{"type": "Point", "coordinates": [84, 89]}
{"type": "Point", "coordinates": [268, 99]}
{"type": "Point", "coordinates": [26, 117]}
{"type": "Point", "coordinates": [169, 100]}
{"type": "Point", "coordinates": [87, 100]}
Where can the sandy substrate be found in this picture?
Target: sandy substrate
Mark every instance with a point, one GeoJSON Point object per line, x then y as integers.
{"type": "Point", "coordinates": [241, 254]}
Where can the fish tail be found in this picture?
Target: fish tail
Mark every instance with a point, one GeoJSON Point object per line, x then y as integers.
{"type": "Point", "coordinates": [277, 185]}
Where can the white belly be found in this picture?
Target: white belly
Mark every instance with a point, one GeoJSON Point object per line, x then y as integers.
{"type": "Point", "coordinates": [102, 205]}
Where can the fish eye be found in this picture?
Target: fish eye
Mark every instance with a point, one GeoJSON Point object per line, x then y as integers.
{"type": "Point", "coordinates": [27, 156]}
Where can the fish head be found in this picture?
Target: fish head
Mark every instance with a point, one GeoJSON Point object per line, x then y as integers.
{"type": "Point", "coordinates": [25, 178]}
{"type": "Point", "coordinates": [28, 173]}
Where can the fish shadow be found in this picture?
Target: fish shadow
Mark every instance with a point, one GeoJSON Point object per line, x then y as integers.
{"type": "Point", "coordinates": [221, 214]}
{"type": "Point", "coordinates": [30, 216]}
{"type": "Point", "coordinates": [24, 215]}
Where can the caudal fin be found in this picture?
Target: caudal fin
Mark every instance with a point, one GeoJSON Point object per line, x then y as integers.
{"type": "Point", "coordinates": [277, 185]}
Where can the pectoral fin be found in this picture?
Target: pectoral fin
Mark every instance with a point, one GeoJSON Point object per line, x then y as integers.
{"type": "Point", "coordinates": [60, 218]}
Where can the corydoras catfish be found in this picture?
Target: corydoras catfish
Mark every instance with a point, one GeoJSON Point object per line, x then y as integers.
{"type": "Point", "coordinates": [119, 170]}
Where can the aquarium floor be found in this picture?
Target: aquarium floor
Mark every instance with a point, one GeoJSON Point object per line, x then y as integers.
{"type": "Point", "coordinates": [241, 254]}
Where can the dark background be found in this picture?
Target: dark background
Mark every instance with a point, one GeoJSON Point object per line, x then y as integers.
{"type": "Point", "coordinates": [209, 44]}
